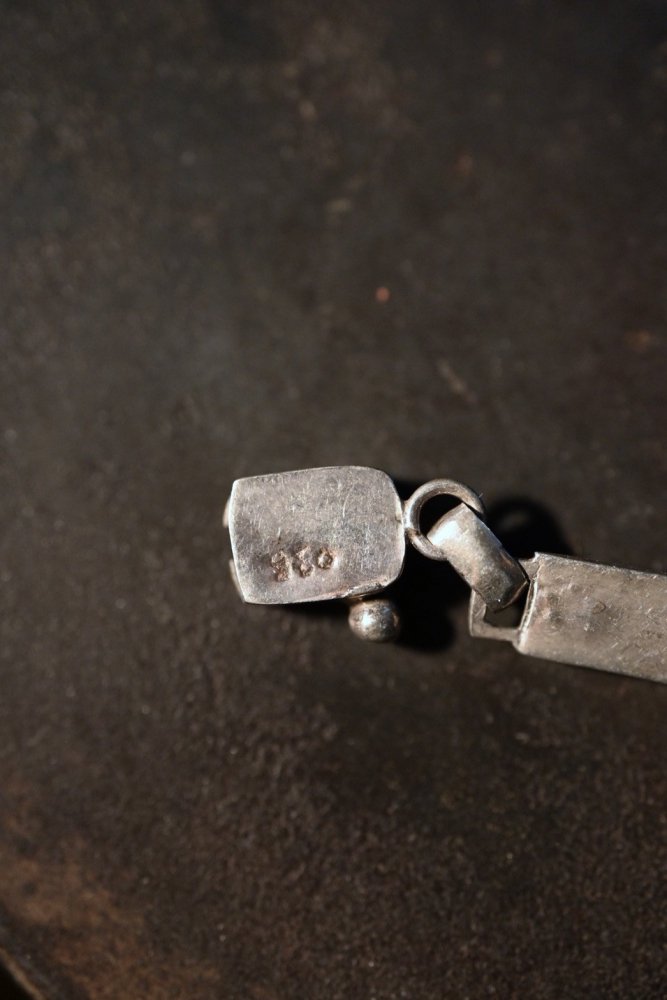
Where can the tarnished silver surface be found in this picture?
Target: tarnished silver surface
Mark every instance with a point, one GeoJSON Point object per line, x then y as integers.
{"type": "Point", "coordinates": [478, 556]}
{"type": "Point", "coordinates": [588, 614]}
{"type": "Point", "coordinates": [315, 534]}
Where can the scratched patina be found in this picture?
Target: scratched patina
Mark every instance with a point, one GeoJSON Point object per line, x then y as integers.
{"type": "Point", "coordinates": [315, 534]}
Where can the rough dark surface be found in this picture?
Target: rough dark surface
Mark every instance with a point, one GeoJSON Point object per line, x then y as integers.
{"type": "Point", "coordinates": [428, 237]}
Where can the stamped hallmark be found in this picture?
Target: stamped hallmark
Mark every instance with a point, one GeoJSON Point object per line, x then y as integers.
{"type": "Point", "coordinates": [280, 564]}
{"type": "Point", "coordinates": [303, 561]}
{"type": "Point", "coordinates": [325, 558]}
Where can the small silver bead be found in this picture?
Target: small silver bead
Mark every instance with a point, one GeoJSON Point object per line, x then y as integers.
{"type": "Point", "coordinates": [375, 620]}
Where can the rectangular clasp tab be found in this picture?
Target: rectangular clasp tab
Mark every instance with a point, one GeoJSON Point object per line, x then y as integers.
{"type": "Point", "coordinates": [315, 534]}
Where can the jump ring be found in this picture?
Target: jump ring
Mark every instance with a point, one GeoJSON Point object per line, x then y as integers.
{"type": "Point", "coordinates": [412, 509]}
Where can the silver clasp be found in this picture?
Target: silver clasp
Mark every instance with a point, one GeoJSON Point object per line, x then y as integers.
{"type": "Point", "coordinates": [340, 533]}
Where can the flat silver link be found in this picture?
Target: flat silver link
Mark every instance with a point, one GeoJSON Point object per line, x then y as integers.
{"type": "Point", "coordinates": [587, 614]}
{"type": "Point", "coordinates": [479, 557]}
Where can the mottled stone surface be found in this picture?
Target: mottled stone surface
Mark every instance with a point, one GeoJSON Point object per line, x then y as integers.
{"type": "Point", "coordinates": [239, 237]}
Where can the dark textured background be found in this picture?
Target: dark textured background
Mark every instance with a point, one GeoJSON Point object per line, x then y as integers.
{"type": "Point", "coordinates": [199, 204]}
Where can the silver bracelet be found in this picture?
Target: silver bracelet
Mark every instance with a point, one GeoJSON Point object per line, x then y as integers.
{"type": "Point", "coordinates": [339, 533]}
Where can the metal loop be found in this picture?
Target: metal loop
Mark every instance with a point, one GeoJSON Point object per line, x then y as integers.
{"type": "Point", "coordinates": [412, 509]}
{"type": "Point", "coordinates": [478, 556]}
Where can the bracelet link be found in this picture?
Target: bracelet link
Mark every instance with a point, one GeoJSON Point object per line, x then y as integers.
{"type": "Point", "coordinates": [587, 614]}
